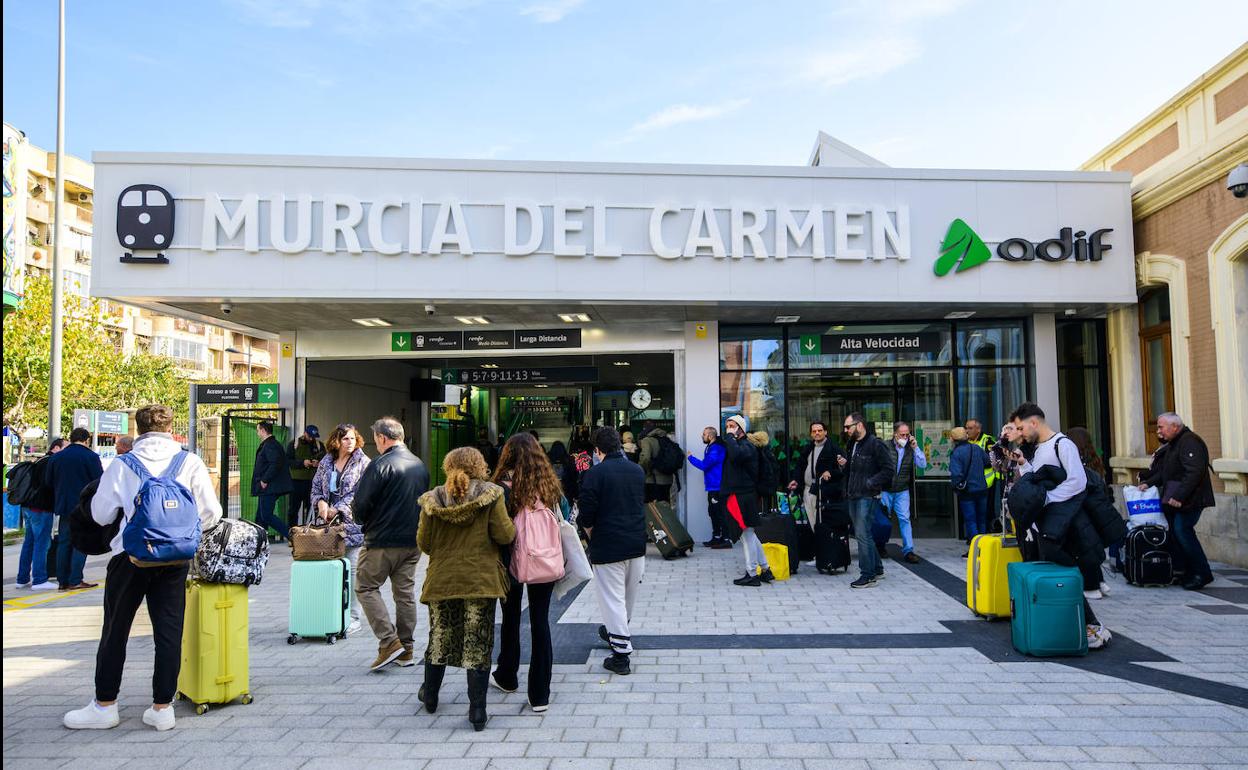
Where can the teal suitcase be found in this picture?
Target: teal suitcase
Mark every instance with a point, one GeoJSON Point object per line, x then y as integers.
{"type": "Point", "coordinates": [1047, 604]}
{"type": "Point", "coordinates": [320, 599]}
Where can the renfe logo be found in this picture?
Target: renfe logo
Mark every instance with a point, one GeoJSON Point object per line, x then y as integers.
{"type": "Point", "coordinates": [964, 248]}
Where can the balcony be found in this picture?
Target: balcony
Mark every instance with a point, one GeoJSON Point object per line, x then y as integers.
{"type": "Point", "coordinates": [38, 210]}
{"type": "Point", "coordinates": [142, 326]}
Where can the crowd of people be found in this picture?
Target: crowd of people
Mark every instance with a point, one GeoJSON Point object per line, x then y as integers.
{"type": "Point", "coordinates": [1049, 486]}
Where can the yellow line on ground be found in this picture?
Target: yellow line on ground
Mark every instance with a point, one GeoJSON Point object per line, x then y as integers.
{"type": "Point", "coordinates": [13, 605]}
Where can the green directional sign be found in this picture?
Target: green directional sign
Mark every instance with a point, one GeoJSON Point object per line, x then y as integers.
{"type": "Point", "coordinates": [266, 393]}
{"type": "Point", "coordinates": [400, 341]}
{"type": "Point", "coordinates": [962, 248]}
{"type": "Point", "coordinates": [450, 376]}
{"type": "Point", "coordinates": [810, 345]}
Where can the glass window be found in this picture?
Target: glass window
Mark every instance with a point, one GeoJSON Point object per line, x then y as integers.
{"type": "Point", "coordinates": [925, 400]}
{"type": "Point", "coordinates": [1158, 364]}
{"type": "Point", "coordinates": [989, 394]}
{"type": "Point", "coordinates": [132, 198]}
{"type": "Point", "coordinates": [1080, 392]}
{"type": "Point", "coordinates": [1076, 344]}
{"type": "Point", "coordinates": [757, 395]}
{"type": "Point", "coordinates": [1155, 307]}
{"type": "Point", "coordinates": [750, 347]}
{"type": "Point", "coordinates": [991, 344]}
{"type": "Point", "coordinates": [939, 354]}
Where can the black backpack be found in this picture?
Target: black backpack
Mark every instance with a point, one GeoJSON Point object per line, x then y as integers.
{"type": "Point", "coordinates": [27, 485]}
{"type": "Point", "coordinates": [768, 472]}
{"type": "Point", "coordinates": [670, 458]}
{"type": "Point", "coordinates": [88, 536]}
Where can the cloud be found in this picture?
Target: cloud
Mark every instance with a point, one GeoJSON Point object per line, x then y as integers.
{"type": "Point", "coordinates": [359, 18]}
{"type": "Point", "coordinates": [900, 11]}
{"type": "Point", "coordinates": [552, 11]}
{"type": "Point", "coordinates": [868, 59]}
{"type": "Point", "coordinates": [687, 113]}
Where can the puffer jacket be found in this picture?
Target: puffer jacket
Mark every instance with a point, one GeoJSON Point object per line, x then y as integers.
{"type": "Point", "coordinates": [1026, 498]}
{"type": "Point", "coordinates": [740, 475]}
{"type": "Point", "coordinates": [1098, 504]}
{"type": "Point", "coordinates": [462, 539]}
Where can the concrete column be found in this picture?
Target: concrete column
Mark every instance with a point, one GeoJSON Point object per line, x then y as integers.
{"type": "Point", "coordinates": [288, 396]}
{"type": "Point", "coordinates": [1044, 339]}
{"type": "Point", "coordinates": [698, 407]}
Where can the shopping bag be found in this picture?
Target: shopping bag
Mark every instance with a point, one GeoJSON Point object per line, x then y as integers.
{"type": "Point", "coordinates": [1144, 508]}
{"type": "Point", "coordinates": [576, 569]}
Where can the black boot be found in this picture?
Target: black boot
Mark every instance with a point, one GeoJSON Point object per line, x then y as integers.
{"type": "Point", "coordinates": [478, 685]}
{"type": "Point", "coordinates": [428, 694]}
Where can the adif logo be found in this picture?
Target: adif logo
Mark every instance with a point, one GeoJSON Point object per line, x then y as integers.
{"type": "Point", "coordinates": [962, 247]}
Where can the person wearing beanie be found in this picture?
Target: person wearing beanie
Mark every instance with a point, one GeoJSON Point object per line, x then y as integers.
{"type": "Point", "coordinates": [739, 485]}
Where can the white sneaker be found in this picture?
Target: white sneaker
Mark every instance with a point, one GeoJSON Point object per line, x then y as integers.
{"type": "Point", "coordinates": [354, 627]}
{"type": "Point", "coordinates": [92, 717]}
{"type": "Point", "coordinates": [1105, 588]}
{"type": "Point", "coordinates": [162, 719]}
{"type": "Point", "coordinates": [46, 585]}
{"type": "Point", "coordinates": [1098, 636]}
{"type": "Point", "coordinates": [1095, 593]}
{"type": "Point", "coordinates": [22, 585]}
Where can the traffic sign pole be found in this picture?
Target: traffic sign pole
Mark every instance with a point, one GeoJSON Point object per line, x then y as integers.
{"type": "Point", "coordinates": [191, 433]}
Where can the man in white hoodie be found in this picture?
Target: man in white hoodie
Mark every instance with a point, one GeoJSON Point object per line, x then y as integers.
{"type": "Point", "coordinates": [127, 585]}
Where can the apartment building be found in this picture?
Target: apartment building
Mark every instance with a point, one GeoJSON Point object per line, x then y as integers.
{"type": "Point", "coordinates": [202, 351]}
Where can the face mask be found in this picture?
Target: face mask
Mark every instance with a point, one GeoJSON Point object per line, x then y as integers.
{"type": "Point", "coordinates": [903, 441]}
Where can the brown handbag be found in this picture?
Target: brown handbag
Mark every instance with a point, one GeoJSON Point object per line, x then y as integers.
{"type": "Point", "coordinates": [319, 542]}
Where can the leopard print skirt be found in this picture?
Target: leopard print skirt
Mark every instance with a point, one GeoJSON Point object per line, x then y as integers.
{"type": "Point", "coordinates": [461, 633]}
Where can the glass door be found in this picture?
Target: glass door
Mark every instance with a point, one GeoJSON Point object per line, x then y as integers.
{"type": "Point", "coordinates": [926, 402]}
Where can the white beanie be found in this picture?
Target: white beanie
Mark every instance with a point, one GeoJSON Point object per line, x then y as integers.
{"type": "Point", "coordinates": [740, 420]}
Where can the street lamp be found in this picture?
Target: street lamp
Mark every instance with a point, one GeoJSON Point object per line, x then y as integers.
{"type": "Point", "coordinates": [232, 349]}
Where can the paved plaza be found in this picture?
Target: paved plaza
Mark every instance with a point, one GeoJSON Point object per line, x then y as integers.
{"type": "Point", "coordinates": [802, 674]}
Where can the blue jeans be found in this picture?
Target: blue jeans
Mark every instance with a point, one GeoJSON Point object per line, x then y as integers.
{"type": "Point", "coordinates": [974, 508]}
{"type": "Point", "coordinates": [1183, 525]}
{"type": "Point", "coordinates": [265, 516]}
{"type": "Point", "coordinates": [32, 564]}
{"type": "Point", "coordinates": [898, 503]}
{"type": "Point", "coordinates": [862, 512]}
{"type": "Point", "coordinates": [69, 560]}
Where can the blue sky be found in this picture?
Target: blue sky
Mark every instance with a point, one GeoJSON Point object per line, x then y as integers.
{"type": "Point", "coordinates": [929, 83]}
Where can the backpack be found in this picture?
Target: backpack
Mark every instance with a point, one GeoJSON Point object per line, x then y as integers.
{"type": "Point", "coordinates": [86, 535]}
{"type": "Point", "coordinates": [234, 551]}
{"type": "Point", "coordinates": [537, 553]}
{"type": "Point", "coordinates": [165, 526]}
{"type": "Point", "coordinates": [768, 472]}
{"type": "Point", "coordinates": [670, 459]}
{"type": "Point", "coordinates": [28, 487]}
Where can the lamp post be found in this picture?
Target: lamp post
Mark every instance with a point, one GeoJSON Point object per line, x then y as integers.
{"type": "Point", "coordinates": [232, 349]}
{"type": "Point", "coordinates": [54, 372]}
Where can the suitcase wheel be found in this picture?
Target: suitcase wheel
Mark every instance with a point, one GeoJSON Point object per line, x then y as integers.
{"type": "Point", "coordinates": [686, 553]}
{"type": "Point", "coordinates": [331, 639]}
{"type": "Point", "coordinates": [292, 638]}
{"type": "Point", "coordinates": [247, 699]}
{"type": "Point", "coordinates": [201, 709]}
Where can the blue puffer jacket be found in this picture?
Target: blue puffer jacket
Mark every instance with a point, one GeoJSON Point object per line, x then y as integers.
{"type": "Point", "coordinates": [711, 464]}
{"type": "Point", "coordinates": [967, 461]}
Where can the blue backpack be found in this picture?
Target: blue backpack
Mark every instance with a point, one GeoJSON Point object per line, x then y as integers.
{"type": "Point", "coordinates": [165, 524]}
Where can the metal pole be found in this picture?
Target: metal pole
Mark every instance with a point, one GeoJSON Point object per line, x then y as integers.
{"type": "Point", "coordinates": [248, 341]}
{"type": "Point", "coordinates": [54, 378]}
{"type": "Point", "coordinates": [192, 439]}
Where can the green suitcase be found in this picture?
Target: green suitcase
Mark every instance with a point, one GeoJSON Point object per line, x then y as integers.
{"type": "Point", "coordinates": [320, 599]}
{"type": "Point", "coordinates": [1046, 600]}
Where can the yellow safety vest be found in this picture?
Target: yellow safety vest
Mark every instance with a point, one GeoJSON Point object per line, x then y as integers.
{"type": "Point", "coordinates": [990, 475]}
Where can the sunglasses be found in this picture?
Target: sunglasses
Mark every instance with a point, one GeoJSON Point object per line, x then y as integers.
{"type": "Point", "coordinates": [849, 425]}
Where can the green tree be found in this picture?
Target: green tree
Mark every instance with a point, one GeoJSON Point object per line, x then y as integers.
{"type": "Point", "coordinates": [95, 374]}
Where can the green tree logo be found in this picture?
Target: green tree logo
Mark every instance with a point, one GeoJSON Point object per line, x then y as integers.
{"type": "Point", "coordinates": [962, 247]}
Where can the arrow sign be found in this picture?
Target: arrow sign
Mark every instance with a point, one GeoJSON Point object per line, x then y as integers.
{"type": "Point", "coordinates": [810, 345]}
{"type": "Point", "coordinates": [400, 341]}
{"type": "Point", "coordinates": [267, 393]}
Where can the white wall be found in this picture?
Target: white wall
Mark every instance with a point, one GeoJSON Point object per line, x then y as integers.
{"type": "Point", "coordinates": [1044, 338]}
{"type": "Point", "coordinates": [699, 409]}
{"type": "Point", "coordinates": [359, 394]}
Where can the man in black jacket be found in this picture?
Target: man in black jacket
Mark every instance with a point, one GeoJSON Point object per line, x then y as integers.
{"type": "Point", "coordinates": [868, 471]}
{"type": "Point", "coordinates": [1183, 479]}
{"type": "Point", "coordinates": [387, 508]}
{"type": "Point", "coordinates": [270, 479]}
{"type": "Point", "coordinates": [817, 474]}
{"type": "Point", "coordinates": [68, 472]}
{"type": "Point", "coordinates": [612, 513]}
{"type": "Point", "coordinates": [739, 486]}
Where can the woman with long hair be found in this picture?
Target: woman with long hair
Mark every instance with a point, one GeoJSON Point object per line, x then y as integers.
{"type": "Point", "coordinates": [462, 525]}
{"type": "Point", "coordinates": [1099, 497]}
{"type": "Point", "coordinates": [333, 490]}
{"type": "Point", "coordinates": [530, 482]}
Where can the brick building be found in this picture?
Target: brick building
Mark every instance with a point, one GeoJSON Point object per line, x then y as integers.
{"type": "Point", "coordinates": [1184, 348]}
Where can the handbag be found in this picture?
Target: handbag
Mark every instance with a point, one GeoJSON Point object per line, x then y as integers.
{"type": "Point", "coordinates": [576, 567]}
{"type": "Point", "coordinates": [319, 542]}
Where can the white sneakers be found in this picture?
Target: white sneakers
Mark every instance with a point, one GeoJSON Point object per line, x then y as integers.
{"type": "Point", "coordinates": [1098, 636]}
{"type": "Point", "coordinates": [162, 719]}
{"type": "Point", "coordinates": [22, 585]}
{"type": "Point", "coordinates": [354, 627]}
{"type": "Point", "coordinates": [93, 716]}
{"type": "Point", "coordinates": [47, 585]}
{"type": "Point", "coordinates": [1095, 593]}
{"type": "Point", "coordinates": [1105, 589]}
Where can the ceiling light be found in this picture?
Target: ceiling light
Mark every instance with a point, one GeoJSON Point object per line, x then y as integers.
{"type": "Point", "coordinates": [1070, 311]}
{"type": "Point", "coordinates": [838, 328]}
{"type": "Point", "coordinates": [472, 320]}
{"type": "Point", "coordinates": [371, 321]}
{"type": "Point", "coordinates": [788, 319]}
{"type": "Point", "coordinates": [489, 366]}
{"type": "Point", "coordinates": [642, 384]}
{"type": "Point", "coordinates": [621, 363]}
{"type": "Point", "coordinates": [539, 385]}
{"type": "Point", "coordinates": [574, 318]}
{"type": "Point", "coordinates": [959, 314]}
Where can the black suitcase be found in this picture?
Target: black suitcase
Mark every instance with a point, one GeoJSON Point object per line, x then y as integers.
{"type": "Point", "coordinates": [1146, 557]}
{"type": "Point", "coordinates": [666, 531]}
{"type": "Point", "coordinates": [780, 528]}
{"type": "Point", "coordinates": [832, 528]}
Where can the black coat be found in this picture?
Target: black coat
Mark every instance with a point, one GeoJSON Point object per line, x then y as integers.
{"type": "Point", "coordinates": [612, 505]}
{"type": "Point", "coordinates": [68, 471]}
{"type": "Point", "coordinates": [740, 467]}
{"type": "Point", "coordinates": [272, 469]}
{"type": "Point", "coordinates": [1099, 505]}
{"type": "Point", "coordinates": [387, 500]}
{"type": "Point", "coordinates": [870, 469]}
{"type": "Point", "coordinates": [833, 488]}
{"type": "Point", "coordinates": [1184, 468]}
{"type": "Point", "coordinates": [1026, 498]}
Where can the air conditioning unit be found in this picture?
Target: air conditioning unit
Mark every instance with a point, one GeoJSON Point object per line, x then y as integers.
{"type": "Point", "coordinates": [84, 197]}
{"type": "Point", "coordinates": [36, 191]}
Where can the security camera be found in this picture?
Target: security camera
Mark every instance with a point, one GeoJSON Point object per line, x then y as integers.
{"type": "Point", "coordinates": [1237, 182]}
{"type": "Point", "coordinates": [227, 308]}
{"type": "Point", "coordinates": [430, 310]}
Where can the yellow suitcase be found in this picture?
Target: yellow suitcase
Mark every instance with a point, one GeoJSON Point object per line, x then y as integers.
{"type": "Point", "coordinates": [215, 663]}
{"type": "Point", "coordinates": [778, 558]}
{"type": "Point", "coordinates": [987, 583]}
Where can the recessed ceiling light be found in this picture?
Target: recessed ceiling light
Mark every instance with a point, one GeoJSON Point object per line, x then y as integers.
{"type": "Point", "coordinates": [472, 320]}
{"type": "Point", "coordinates": [489, 366]}
{"type": "Point", "coordinates": [574, 318]}
{"type": "Point", "coordinates": [539, 385]}
{"type": "Point", "coordinates": [838, 328]}
{"type": "Point", "coordinates": [642, 384]}
{"type": "Point", "coordinates": [959, 314]}
{"type": "Point", "coordinates": [788, 319]}
{"type": "Point", "coordinates": [371, 321]}
{"type": "Point", "coordinates": [622, 363]}
{"type": "Point", "coordinates": [1070, 311]}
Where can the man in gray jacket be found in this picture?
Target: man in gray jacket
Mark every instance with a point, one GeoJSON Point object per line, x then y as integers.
{"type": "Point", "coordinates": [658, 483]}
